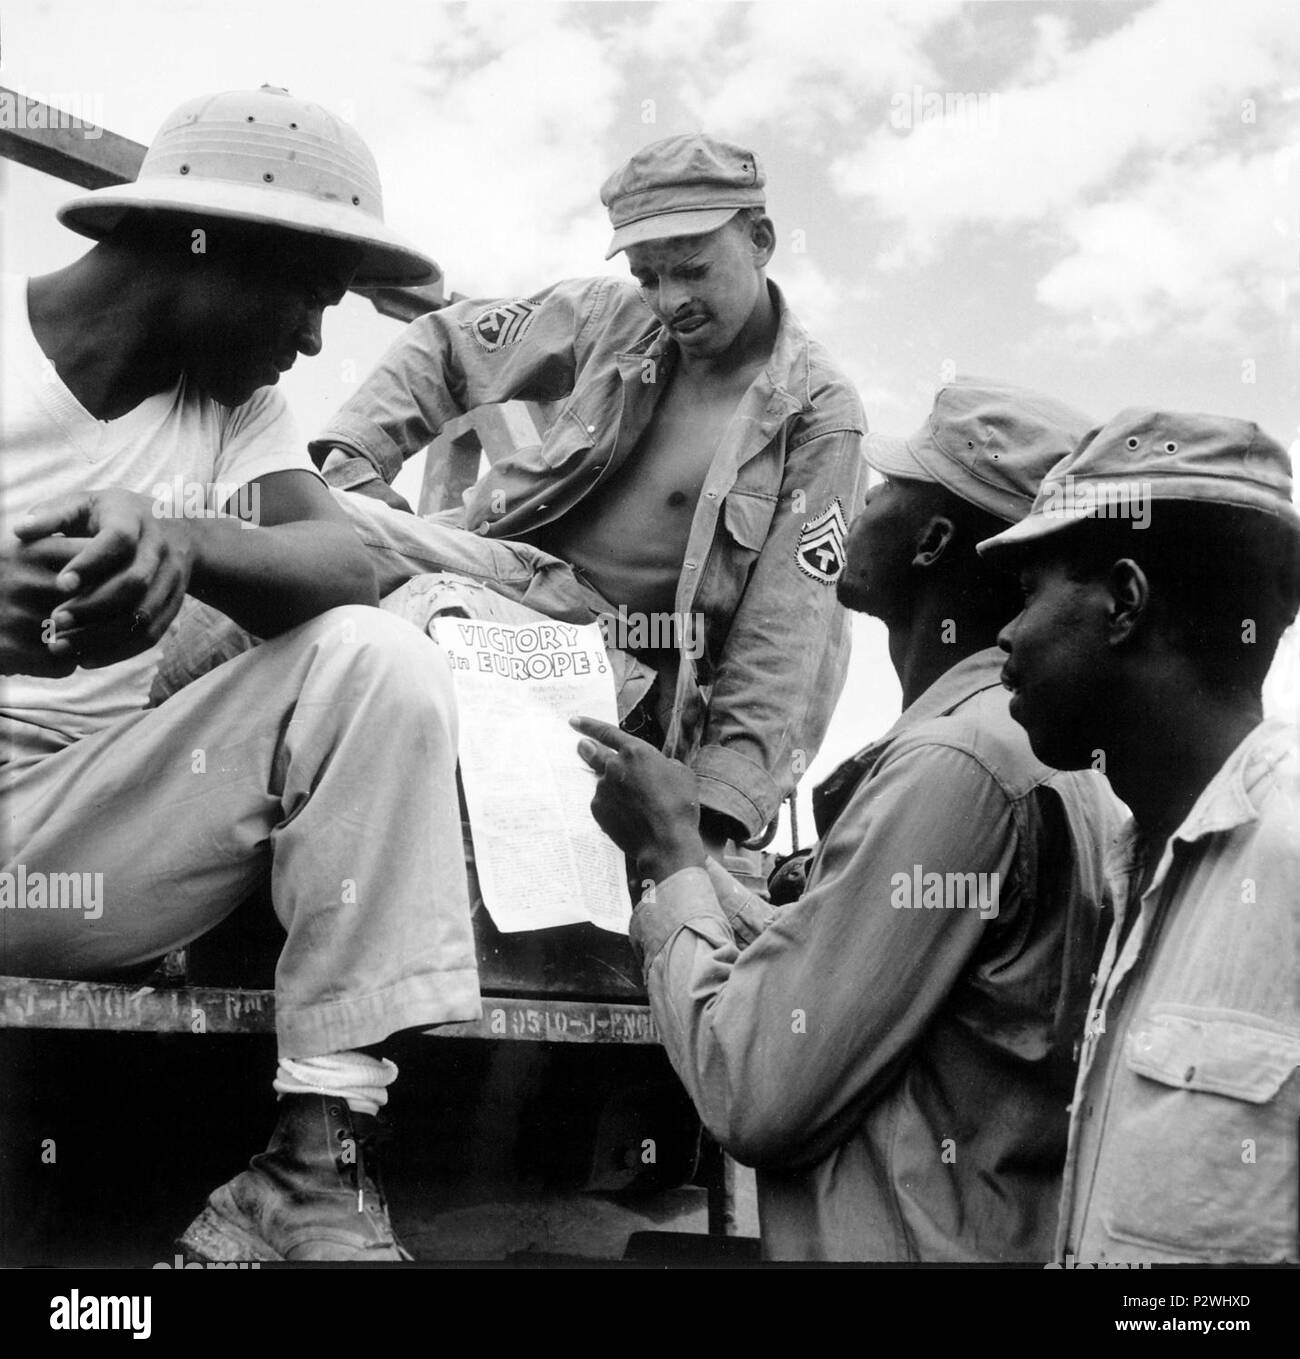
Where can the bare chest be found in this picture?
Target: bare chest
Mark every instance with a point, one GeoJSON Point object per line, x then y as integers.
{"type": "Point", "coordinates": [629, 536]}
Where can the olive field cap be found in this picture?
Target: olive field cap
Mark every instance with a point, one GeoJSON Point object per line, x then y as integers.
{"type": "Point", "coordinates": [263, 156]}
{"type": "Point", "coordinates": [681, 186]}
{"type": "Point", "coordinates": [988, 442]}
{"type": "Point", "coordinates": [1143, 455]}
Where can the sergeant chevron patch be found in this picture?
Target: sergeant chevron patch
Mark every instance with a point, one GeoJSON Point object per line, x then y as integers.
{"type": "Point", "coordinates": [820, 550]}
{"type": "Point", "coordinates": [502, 324]}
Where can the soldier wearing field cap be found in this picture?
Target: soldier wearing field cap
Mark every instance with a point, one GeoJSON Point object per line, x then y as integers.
{"type": "Point", "coordinates": [1160, 567]}
{"type": "Point", "coordinates": [894, 1051]}
{"type": "Point", "coordinates": [700, 464]}
{"type": "Point", "coordinates": [148, 459]}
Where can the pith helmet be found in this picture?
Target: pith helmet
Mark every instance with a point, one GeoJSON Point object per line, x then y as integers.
{"type": "Point", "coordinates": [263, 156]}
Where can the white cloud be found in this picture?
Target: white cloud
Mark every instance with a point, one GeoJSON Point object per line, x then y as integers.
{"type": "Point", "coordinates": [503, 158]}
{"type": "Point", "coordinates": [1051, 49]}
{"type": "Point", "coordinates": [1133, 146]}
{"type": "Point", "coordinates": [1197, 247]}
{"type": "Point", "coordinates": [805, 69]}
{"type": "Point", "coordinates": [819, 300]}
{"type": "Point", "coordinates": [672, 33]}
{"type": "Point", "coordinates": [1156, 88]}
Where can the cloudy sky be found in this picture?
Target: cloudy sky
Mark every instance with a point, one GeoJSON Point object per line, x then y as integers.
{"type": "Point", "coordinates": [1096, 199]}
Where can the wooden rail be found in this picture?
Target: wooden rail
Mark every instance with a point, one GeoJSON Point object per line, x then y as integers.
{"type": "Point", "coordinates": [37, 1003]}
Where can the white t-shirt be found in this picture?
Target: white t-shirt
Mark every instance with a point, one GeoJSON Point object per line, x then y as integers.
{"type": "Point", "coordinates": [168, 447]}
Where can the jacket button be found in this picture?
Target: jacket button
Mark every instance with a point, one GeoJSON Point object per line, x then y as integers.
{"type": "Point", "coordinates": [591, 429]}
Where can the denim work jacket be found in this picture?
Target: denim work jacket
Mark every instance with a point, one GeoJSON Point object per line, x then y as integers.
{"type": "Point", "coordinates": [1183, 1131]}
{"type": "Point", "coordinates": [896, 1061]}
{"type": "Point", "coordinates": [767, 540]}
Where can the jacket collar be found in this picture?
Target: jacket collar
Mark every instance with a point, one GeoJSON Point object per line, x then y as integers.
{"type": "Point", "coordinates": [1234, 795]}
{"type": "Point", "coordinates": [789, 371]}
{"type": "Point", "coordinates": [1232, 798]}
{"type": "Point", "coordinates": [957, 685]}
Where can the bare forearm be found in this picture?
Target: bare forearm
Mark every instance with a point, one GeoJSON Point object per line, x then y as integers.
{"type": "Point", "coordinates": [269, 580]}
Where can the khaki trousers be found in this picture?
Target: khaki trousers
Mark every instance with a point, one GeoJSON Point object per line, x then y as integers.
{"type": "Point", "coordinates": [325, 757]}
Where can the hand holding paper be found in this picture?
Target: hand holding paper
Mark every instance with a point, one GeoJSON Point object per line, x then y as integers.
{"type": "Point", "coordinates": [647, 804]}
{"type": "Point", "coordinates": [541, 859]}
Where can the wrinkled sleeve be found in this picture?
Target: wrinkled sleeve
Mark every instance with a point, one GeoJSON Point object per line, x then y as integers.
{"type": "Point", "coordinates": [747, 915]}
{"type": "Point", "coordinates": [783, 1046]}
{"type": "Point", "coordinates": [787, 653]}
{"type": "Point", "coordinates": [470, 354]}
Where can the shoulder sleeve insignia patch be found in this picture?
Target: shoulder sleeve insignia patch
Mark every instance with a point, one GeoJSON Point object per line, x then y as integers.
{"type": "Point", "coordinates": [820, 550]}
{"type": "Point", "coordinates": [503, 324]}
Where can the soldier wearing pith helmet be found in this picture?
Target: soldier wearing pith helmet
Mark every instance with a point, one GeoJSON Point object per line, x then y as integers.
{"type": "Point", "coordinates": [152, 360]}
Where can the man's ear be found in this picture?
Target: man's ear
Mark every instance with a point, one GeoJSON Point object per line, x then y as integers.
{"type": "Point", "coordinates": [1130, 600]}
{"type": "Point", "coordinates": [933, 539]}
{"type": "Point", "coordinates": [762, 239]}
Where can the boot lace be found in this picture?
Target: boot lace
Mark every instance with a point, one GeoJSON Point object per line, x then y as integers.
{"type": "Point", "coordinates": [366, 1172]}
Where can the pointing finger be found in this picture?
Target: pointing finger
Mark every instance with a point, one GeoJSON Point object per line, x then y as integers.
{"type": "Point", "coordinates": [604, 732]}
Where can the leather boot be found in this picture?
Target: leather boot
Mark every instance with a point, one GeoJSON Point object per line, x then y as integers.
{"type": "Point", "coordinates": [313, 1194]}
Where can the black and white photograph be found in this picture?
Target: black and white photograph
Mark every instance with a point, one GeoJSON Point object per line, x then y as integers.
{"type": "Point", "coordinates": [655, 638]}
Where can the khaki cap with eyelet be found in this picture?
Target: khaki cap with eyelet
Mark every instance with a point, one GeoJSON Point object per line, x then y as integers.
{"type": "Point", "coordinates": [988, 442]}
{"type": "Point", "coordinates": [1143, 455]}
{"type": "Point", "coordinates": [264, 157]}
{"type": "Point", "coordinates": [680, 186]}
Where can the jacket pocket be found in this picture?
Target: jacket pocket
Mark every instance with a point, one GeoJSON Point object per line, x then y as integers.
{"type": "Point", "coordinates": [748, 517]}
{"type": "Point", "coordinates": [1203, 1157]}
{"type": "Point", "coordinates": [566, 439]}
